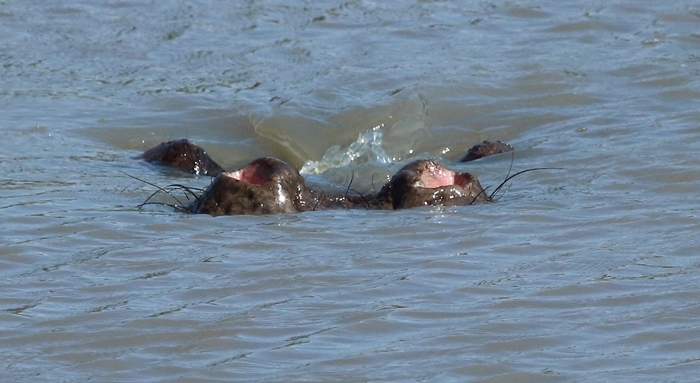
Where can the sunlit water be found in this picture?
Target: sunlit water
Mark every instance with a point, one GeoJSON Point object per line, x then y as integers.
{"type": "Point", "coordinates": [590, 273]}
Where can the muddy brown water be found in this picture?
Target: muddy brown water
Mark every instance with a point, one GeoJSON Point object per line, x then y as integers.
{"type": "Point", "coordinates": [587, 274]}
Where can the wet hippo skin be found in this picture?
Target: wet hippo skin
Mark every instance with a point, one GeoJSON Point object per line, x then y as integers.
{"type": "Point", "coordinates": [271, 186]}
{"type": "Point", "coordinates": [486, 148]}
{"type": "Point", "coordinates": [184, 155]}
{"type": "Point", "coordinates": [427, 183]}
{"type": "Point", "coordinates": [266, 186]}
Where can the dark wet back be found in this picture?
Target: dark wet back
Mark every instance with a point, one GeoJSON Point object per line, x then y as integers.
{"type": "Point", "coordinates": [486, 148]}
{"type": "Point", "coordinates": [183, 155]}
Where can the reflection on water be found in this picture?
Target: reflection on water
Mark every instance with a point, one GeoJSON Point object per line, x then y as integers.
{"type": "Point", "coordinates": [589, 273]}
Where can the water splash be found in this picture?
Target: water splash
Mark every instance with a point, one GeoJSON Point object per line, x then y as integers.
{"type": "Point", "coordinates": [367, 148]}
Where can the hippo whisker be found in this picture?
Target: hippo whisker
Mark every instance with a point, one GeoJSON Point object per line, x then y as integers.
{"type": "Point", "coordinates": [372, 181]}
{"type": "Point", "coordinates": [160, 189]}
{"type": "Point", "coordinates": [318, 200]}
{"type": "Point", "coordinates": [508, 178]}
{"type": "Point", "coordinates": [365, 201]}
{"type": "Point", "coordinates": [167, 190]}
{"type": "Point", "coordinates": [187, 189]}
{"type": "Point", "coordinates": [476, 197]}
{"type": "Point", "coordinates": [175, 206]}
{"type": "Point", "coordinates": [510, 168]}
{"type": "Point", "coordinates": [352, 178]}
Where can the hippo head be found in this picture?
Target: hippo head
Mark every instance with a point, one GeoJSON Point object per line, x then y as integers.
{"type": "Point", "coordinates": [427, 183]}
{"type": "Point", "coordinates": [184, 155]}
{"type": "Point", "coordinates": [265, 186]}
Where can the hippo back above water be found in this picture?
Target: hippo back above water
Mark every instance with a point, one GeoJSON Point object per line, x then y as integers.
{"type": "Point", "coordinates": [183, 155]}
{"type": "Point", "coordinates": [485, 149]}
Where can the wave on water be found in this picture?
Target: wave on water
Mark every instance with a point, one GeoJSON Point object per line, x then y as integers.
{"type": "Point", "coordinates": [366, 149]}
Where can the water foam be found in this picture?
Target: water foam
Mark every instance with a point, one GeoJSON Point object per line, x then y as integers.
{"type": "Point", "coordinates": [367, 148]}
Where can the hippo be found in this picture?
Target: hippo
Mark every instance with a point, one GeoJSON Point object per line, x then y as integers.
{"type": "Point", "coordinates": [265, 186]}
{"type": "Point", "coordinates": [427, 183]}
{"type": "Point", "coordinates": [183, 155]}
{"type": "Point", "coordinates": [271, 186]}
{"type": "Point", "coordinates": [486, 148]}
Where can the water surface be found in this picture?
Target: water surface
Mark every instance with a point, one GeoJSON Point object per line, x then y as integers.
{"type": "Point", "coordinates": [589, 273]}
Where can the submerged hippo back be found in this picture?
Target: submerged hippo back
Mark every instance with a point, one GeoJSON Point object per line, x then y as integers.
{"type": "Point", "coordinates": [485, 149]}
{"type": "Point", "coordinates": [427, 183]}
{"type": "Point", "coordinates": [266, 186]}
{"type": "Point", "coordinates": [184, 155]}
